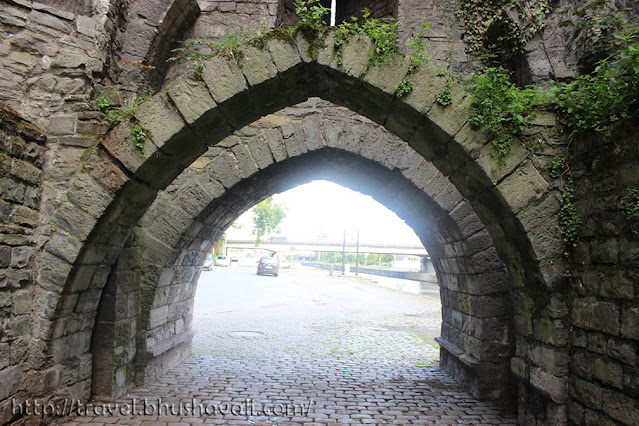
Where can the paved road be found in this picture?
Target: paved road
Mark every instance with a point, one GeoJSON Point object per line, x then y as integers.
{"type": "Point", "coordinates": [305, 311]}
{"type": "Point", "coordinates": [304, 349]}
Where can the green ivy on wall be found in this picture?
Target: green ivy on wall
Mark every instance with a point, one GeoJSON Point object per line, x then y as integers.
{"type": "Point", "coordinates": [630, 207]}
{"type": "Point", "coordinates": [599, 101]}
{"type": "Point", "coordinates": [491, 32]}
{"type": "Point", "coordinates": [501, 108]}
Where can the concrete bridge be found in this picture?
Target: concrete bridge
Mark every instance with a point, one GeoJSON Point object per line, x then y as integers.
{"type": "Point", "coordinates": [106, 223]}
{"type": "Point", "coordinates": [326, 246]}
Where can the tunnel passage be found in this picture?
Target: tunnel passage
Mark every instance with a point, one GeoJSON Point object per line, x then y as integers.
{"type": "Point", "coordinates": [160, 264]}
{"type": "Point", "coordinates": [188, 122]}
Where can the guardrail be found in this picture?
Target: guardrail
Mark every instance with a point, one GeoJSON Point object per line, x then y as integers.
{"type": "Point", "coordinates": [416, 276]}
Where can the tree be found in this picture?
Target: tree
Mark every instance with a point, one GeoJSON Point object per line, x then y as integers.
{"type": "Point", "coordinates": [372, 259]}
{"type": "Point", "coordinates": [267, 217]}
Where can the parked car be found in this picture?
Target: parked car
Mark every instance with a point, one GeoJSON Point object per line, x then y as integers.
{"type": "Point", "coordinates": [268, 266]}
{"type": "Point", "coordinates": [287, 264]}
{"type": "Point", "coordinates": [221, 260]}
{"type": "Point", "coordinates": [208, 264]}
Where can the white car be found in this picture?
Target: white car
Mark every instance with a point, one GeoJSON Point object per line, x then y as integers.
{"type": "Point", "coordinates": [208, 264]}
{"type": "Point", "coordinates": [222, 261]}
{"type": "Point", "coordinates": [287, 264]}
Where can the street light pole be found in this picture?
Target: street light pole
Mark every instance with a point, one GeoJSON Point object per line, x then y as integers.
{"type": "Point", "coordinates": [357, 256]}
{"type": "Point", "coordinates": [344, 254]}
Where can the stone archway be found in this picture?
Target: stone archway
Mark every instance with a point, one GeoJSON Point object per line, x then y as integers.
{"type": "Point", "coordinates": [198, 111]}
{"type": "Point", "coordinates": [274, 154]}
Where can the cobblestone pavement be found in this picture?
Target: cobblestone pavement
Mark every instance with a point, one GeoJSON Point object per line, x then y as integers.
{"type": "Point", "coordinates": [307, 349]}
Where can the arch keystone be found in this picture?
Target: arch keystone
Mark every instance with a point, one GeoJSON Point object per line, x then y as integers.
{"type": "Point", "coordinates": [326, 54]}
{"type": "Point", "coordinates": [304, 48]}
{"type": "Point", "coordinates": [292, 72]}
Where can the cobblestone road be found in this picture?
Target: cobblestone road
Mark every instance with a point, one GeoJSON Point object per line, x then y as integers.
{"type": "Point", "coordinates": [308, 349]}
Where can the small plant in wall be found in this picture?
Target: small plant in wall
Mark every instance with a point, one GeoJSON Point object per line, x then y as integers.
{"type": "Point", "coordinates": [569, 223]}
{"type": "Point", "coordinates": [311, 14]}
{"type": "Point", "coordinates": [199, 50]}
{"type": "Point", "coordinates": [445, 97]}
{"type": "Point", "coordinates": [556, 166]}
{"type": "Point", "coordinates": [630, 207]}
{"type": "Point", "coordinates": [383, 32]}
{"type": "Point", "coordinates": [405, 87]}
{"type": "Point", "coordinates": [107, 105]}
{"type": "Point", "coordinates": [501, 108]}
{"type": "Point", "coordinates": [116, 112]}
{"type": "Point", "coordinates": [139, 136]}
{"type": "Point", "coordinates": [418, 55]}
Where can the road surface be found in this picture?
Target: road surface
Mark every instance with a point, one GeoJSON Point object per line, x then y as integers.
{"type": "Point", "coordinates": [305, 311]}
{"type": "Point", "coordinates": [303, 349]}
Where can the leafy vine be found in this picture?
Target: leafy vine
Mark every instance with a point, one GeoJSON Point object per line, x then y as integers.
{"type": "Point", "coordinates": [491, 31]}
{"type": "Point", "coordinates": [599, 101]}
{"type": "Point", "coordinates": [630, 205]}
{"type": "Point", "coordinates": [383, 32]}
{"type": "Point", "coordinates": [501, 108]}
{"type": "Point", "coordinates": [569, 222]}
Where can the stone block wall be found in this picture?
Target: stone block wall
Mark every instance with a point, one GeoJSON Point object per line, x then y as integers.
{"type": "Point", "coordinates": [49, 59]}
{"type": "Point", "coordinates": [577, 342]}
{"type": "Point", "coordinates": [21, 160]}
{"type": "Point", "coordinates": [604, 368]}
{"type": "Point", "coordinates": [219, 17]}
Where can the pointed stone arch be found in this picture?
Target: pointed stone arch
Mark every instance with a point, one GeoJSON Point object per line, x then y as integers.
{"type": "Point", "coordinates": [117, 186]}
{"type": "Point", "coordinates": [271, 155]}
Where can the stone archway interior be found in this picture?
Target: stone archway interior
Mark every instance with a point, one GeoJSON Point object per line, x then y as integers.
{"type": "Point", "coordinates": [314, 140]}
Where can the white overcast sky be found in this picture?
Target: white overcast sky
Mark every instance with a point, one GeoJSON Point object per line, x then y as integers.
{"type": "Point", "coordinates": [322, 206]}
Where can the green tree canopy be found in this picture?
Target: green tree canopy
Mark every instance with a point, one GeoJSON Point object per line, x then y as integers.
{"type": "Point", "coordinates": [267, 217]}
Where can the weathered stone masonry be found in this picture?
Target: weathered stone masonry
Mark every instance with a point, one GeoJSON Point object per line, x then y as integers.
{"type": "Point", "coordinates": [285, 147]}
{"type": "Point", "coordinates": [97, 290]}
{"type": "Point", "coordinates": [21, 154]}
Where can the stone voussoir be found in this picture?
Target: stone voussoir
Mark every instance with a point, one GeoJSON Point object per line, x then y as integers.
{"type": "Point", "coordinates": [160, 119]}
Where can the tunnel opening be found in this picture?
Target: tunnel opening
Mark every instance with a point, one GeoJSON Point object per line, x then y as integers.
{"type": "Point", "coordinates": [332, 240]}
{"type": "Point", "coordinates": [164, 326]}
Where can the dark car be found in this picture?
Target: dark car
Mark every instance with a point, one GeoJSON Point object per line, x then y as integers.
{"type": "Point", "coordinates": [268, 266]}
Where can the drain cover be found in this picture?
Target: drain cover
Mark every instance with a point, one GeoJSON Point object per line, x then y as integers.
{"type": "Point", "coordinates": [246, 334]}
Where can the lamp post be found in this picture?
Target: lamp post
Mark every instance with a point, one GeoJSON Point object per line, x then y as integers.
{"type": "Point", "coordinates": [357, 256]}
{"type": "Point", "coordinates": [344, 254]}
